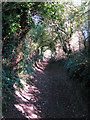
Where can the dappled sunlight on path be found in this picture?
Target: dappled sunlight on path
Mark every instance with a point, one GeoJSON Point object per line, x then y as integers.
{"type": "Point", "coordinates": [28, 98]}
{"type": "Point", "coordinates": [49, 94]}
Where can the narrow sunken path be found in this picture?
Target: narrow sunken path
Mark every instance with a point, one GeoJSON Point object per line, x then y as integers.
{"type": "Point", "coordinates": [50, 94]}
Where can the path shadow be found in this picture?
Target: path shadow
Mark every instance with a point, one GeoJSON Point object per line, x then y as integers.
{"type": "Point", "coordinates": [59, 95]}
{"type": "Point", "coordinates": [50, 94]}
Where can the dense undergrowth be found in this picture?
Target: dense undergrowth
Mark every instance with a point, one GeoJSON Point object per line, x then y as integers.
{"type": "Point", "coordinates": [77, 67]}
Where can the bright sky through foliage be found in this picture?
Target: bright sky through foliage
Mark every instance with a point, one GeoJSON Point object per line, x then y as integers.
{"type": "Point", "coordinates": [47, 53]}
{"type": "Point", "coordinates": [75, 2]}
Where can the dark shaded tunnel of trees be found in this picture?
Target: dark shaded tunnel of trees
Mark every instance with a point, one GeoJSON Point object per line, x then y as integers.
{"type": "Point", "coordinates": [30, 29]}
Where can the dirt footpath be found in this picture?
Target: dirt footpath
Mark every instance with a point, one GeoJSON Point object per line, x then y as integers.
{"type": "Point", "coordinates": [50, 94]}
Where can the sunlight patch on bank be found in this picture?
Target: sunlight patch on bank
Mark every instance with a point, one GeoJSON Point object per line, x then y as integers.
{"type": "Point", "coordinates": [28, 110]}
{"type": "Point", "coordinates": [26, 98]}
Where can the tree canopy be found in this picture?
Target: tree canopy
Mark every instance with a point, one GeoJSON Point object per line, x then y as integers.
{"type": "Point", "coordinates": [25, 42]}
